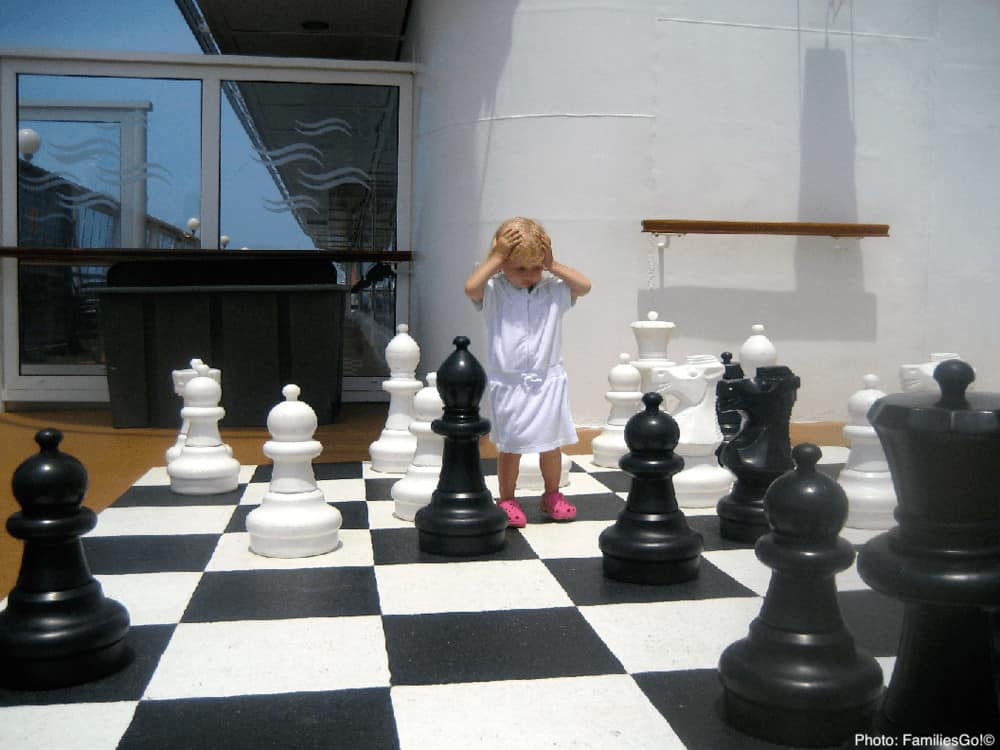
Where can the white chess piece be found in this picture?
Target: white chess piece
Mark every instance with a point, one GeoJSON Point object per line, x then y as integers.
{"type": "Point", "coordinates": [180, 379]}
{"type": "Point", "coordinates": [294, 519]}
{"type": "Point", "coordinates": [625, 399]}
{"type": "Point", "coordinates": [652, 336]}
{"type": "Point", "coordinates": [693, 384]}
{"type": "Point", "coordinates": [757, 351]}
{"type": "Point", "coordinates": [529, 472]}
{"type": "Point", "coordinates": [413, 491]}
{"type": "Point", "coordinates": [394, 449]}
{"type": "Point", "coordinates": [205, 465]}
{"type": "Point", "coordinates": [866, 479]}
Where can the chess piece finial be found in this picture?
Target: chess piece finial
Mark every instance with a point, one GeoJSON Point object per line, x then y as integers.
{"type": "Point", "coordinates": [58, 628]}
{"type": "Point", "coordinates": [797, 678]}
{"type": "Point", "coordinates": [757, 351]}
{"type": "Point", "coordinates": [651, 542]}
{"type": "Point", "coordinates": [943, 557]}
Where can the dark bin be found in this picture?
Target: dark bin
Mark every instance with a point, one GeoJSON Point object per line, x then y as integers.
{"type": "Point", "coordinates": [264, 323]}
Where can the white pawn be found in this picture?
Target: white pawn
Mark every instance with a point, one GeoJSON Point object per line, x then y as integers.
{"type": "Point", "coordinates": [702, 481]}
{"type": "Point", "coordinates": [180, 379]}
{"type": "Point", "coordinates": [294, 519]}
{"type": "Point", "coordinates": [652, 337]}
{"type": "Point", "coordinates": [205, 465]}
{"type": "Point", "coordinates": [625, 399]}
{"type": "Point", "coordinates": [394, 449]}
{"type": "Point", "coordinates": [757, 351]}
{"type": "Point", "coordinates": [413, 492]}
{"type": "Point", "coordinates": [871, 496]}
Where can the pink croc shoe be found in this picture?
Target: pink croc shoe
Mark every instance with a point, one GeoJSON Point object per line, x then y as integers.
{"type": "Point", "coordinates": [558, 507]}
{"type": "Point", "coordinates": [515, 516]}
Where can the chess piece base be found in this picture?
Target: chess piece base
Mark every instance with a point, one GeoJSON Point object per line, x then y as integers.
{"type": "Point", "coordinates": [461, 546]}
{"type": "Point", "coordinates": [813, 727]}
{"type": "Point", "coordinates": [413, 492]}
{"type": "Point", "coordinates": [462, 524]}
{"type": "Point", "coordinates": [871, 499]}
{"type": "Point", "coordinates": [209, 470]}
{"type": "Point", "coordinates": [393, 451]}
{"type": "Point", "coordinates": [741, 517]}
{"type": "Point", "coordinates": [702, 482]}
{"type": "Point", "coordinates": [46, 642]}
{"type": "Point", "coordinates": [293, 525]}
{"type": "Point", "coordinates": [651, 572]}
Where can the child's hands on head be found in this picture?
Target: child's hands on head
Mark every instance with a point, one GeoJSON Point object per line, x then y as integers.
{"type": "Point", "coordinates": [505, 240]}
{"type": "Point", "coordinates": [547, 259]}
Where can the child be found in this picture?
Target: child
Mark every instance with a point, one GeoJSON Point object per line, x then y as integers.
{"type": "Point", "coordinates": [528, 392]}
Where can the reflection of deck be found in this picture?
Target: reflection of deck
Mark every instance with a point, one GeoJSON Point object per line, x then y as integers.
{"type": "Point", "coordinates": [364, 346]}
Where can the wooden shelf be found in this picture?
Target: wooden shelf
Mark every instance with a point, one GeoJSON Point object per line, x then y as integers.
{"type": "Point", "coordinates": [104, 256]}
{"type": "Point", "coordinates": [809, 228]}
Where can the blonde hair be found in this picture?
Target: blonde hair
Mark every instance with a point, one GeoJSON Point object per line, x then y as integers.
{"type": "Point", "coordinates": [532, 246]}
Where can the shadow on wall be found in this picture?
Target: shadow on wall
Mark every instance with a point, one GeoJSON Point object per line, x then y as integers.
{"type": "Point", "coordinates": [829, 300]}
{"type": "Point", "coordinates": [467, 47]}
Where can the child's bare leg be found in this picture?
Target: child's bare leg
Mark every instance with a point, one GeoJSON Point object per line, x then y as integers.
{"type": "Point", "coordinates": [553, 502]}
{"type": "Point", "coordinates": [550, 463]}
{"type": "Point", "coordinates": [508, 465]}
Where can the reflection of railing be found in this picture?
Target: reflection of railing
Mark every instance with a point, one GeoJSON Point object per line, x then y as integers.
{"type": "Point", "coordinates": [105, 256]}
{"type": "Point", "coordinates": [50, 215]}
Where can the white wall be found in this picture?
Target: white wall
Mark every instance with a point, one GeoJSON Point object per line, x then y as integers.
{"type": "Point", "coordinates": [592, 116]}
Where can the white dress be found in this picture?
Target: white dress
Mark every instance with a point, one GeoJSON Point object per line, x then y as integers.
{"type": "Point", "coordinates": [528, 393]}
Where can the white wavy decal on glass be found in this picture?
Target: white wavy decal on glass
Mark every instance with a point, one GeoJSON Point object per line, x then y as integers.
{"type": "Point", "coordinates": [52, 217]}
{"type": "Point", "coordinates": [321, 127]}
{"type": "Point", "coordinates": [88, 200]}
{"type": "Point", "coordinates": [294, 203]}
{"type": "Point", "coordinates": [296, 152]}
{"type": "Point", "coordinates": [342, 176]}
{"type": "Point", "coordinates": [148, 171]}
{"type": "Point", "coordinates": [89, 149]}
{"type": "Point", "coordinates": [45, 182]}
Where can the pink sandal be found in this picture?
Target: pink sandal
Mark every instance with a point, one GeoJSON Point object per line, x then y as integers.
{"type": "Point", "coordinates": [515, 516]}
{"type": "Point", "coordinates": [558, 507]}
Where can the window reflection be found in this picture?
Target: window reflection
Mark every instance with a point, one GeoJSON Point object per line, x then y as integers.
{"type": "Point", "coordinates": [102, 162]}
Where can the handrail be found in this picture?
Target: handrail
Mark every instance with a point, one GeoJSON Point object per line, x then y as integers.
{"type": "Point", "coordinates": [808, 228]}
{"type": "Point", "coordinates": [103, 256]}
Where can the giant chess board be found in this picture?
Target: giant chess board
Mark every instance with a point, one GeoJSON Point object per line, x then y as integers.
{"type": "Point", "coordinates": [378, 645]}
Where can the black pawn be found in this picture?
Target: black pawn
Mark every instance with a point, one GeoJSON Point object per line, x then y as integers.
{"type": "Point", "coordinates": [943, 558]}
{"type": "Point", "coordinates": [461, 518]}
{"type": "Point", "coordinates": [58, 629]}
{"type": "Point", "coordinates": [651, 541]}
{"type": "Point", "coordinates": [760, 452]}
{"type": "Point", "coordinates": [797, 678]}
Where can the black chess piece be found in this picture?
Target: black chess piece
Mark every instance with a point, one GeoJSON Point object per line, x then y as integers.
{"type": "Point", "coordinates": [651, 541]}
{"type": "Point", "coordinates": [58, 629]}
{"type": "Point", "coordinates": [729, 419]}
{"type": "Point", "coordinates": [797, 678]}
{"type": "Point", "coordinates": [760, 452]}
{"type": "Point", "coordinates": [461, 518]}
{"type": "Point", "coordinates": [943, 558]}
